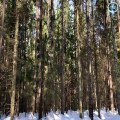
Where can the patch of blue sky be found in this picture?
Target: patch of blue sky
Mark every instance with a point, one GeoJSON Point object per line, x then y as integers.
{"type": "Point", "coordinates": [94, 2]}
{"type": "Point", "coordinates": [56, 3]}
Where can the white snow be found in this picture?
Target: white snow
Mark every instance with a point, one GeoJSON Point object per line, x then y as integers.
{"type": "Point", "coordinates": [69, 115]}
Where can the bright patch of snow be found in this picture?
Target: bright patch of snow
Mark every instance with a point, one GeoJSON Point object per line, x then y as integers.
{"type": "Point", "coordinates": [70, 115]}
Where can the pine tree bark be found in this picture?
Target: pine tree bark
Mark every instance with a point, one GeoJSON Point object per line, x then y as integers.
{"type": "Point", "coordinates": [78, 54]}
{"type": "Point", "coordinates": [118, 14]}
{"type": "Point", "coordinates": [96, 66]}
{"type": "Point", "coordinates": [15, 55]}
{"type": "Point", "coordinates": [62, 60]}
{"type": "Point", "coordinates": [41, 64]}
{"type": "Point", "coordinates": [115, 66]}
{"type": "Point", "coordinates": [96, 79]}
{"type": "Point", "coordinates": [37, 89]}
{"type": "Point", "coordinates": [51, 48]}
{"type": "Point", "coordinates": [89, 62]}
{"type": "Point", "coordinates": [2, 26]}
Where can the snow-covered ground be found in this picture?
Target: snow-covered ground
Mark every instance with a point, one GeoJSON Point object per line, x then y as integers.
{"type": "Point", "coordinates": [70, 115]}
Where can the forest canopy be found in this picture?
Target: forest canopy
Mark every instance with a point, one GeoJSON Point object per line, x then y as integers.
{"type": "Point", "coordinates": [59, 54]}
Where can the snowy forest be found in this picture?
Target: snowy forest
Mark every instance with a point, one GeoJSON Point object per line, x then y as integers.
{"type": "Point", "coordinates": [59, 60]}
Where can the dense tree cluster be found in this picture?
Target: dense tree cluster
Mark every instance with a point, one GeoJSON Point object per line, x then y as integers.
{"type": "Point", "coordinates": [59, 54]}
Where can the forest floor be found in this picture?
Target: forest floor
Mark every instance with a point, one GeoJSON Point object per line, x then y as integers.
{"type": "Point", "coordinates": [70, 115]}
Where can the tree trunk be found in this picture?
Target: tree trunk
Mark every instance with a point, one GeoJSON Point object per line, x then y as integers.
{"type": "Point", "coordinates": [62, 60]}
{"type": "Point", "coordinates": [97, 82]}
{"type": "Point", "coordinates": [118, 14]}
{"type": "Point", "coordinates": [51, 49]}
{"type": "Point", "coordinates": [89, 62]}
{"type": "Point", "coordinates": [96, 67]}
{"type": "Point", "coordinates": [2, 26]}
{"type": "Point", "coordinates": [78, 54]}
{"type": "Point", "coordinates": [41, 64]}
{"type": "Point", "coordinates": [37, 94]}
{"type": "Point", "coordinates": [115, 66]}
{"type": "Point", "coordinates": [15, 54]}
